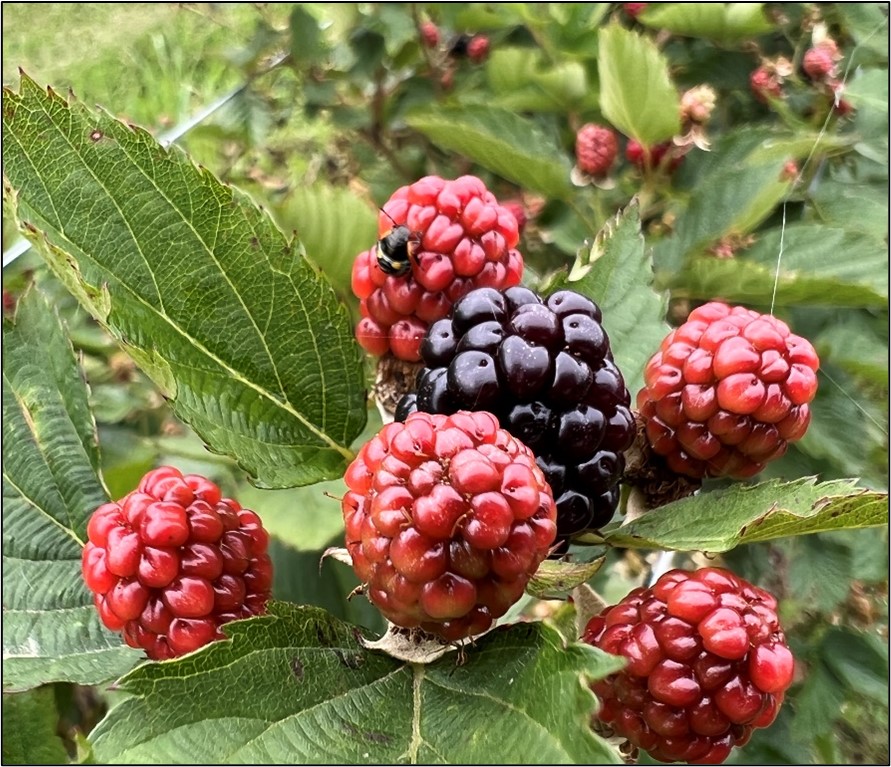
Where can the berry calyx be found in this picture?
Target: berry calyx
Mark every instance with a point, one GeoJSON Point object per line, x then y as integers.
{"type": "Point", "coordinates": [596, 148]}
{"type": "Point", "coordinates": [447, 518]}
{"type": "Point", "coordinates": [173, 561]}
{"type": "Point", "coordinates": [465, 239]}
{"type": "Point", "coordinates": [707, 663]}
{"type": "Point", "coordinates": [545, 369]}
{"type": "Point", "coordinates": [727, 392]}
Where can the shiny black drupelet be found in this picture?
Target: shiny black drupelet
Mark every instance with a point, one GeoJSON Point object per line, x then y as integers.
{"type": "Point", "coordinates": [545, 369]}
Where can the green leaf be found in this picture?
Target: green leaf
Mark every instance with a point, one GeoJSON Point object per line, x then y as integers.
{"type": "Point", "coordinates": [859, 660]}
{"type": "Point", "coordinates": [523, 79]}
{"type": "Point", "coordinates": [847, 429]}
{"type": "Point", "coordinates": [820, 571]}
{"type": "Point", "coordinates": [868, 25]}
{"type": "Point", "coordinates": [725, 23]}
{"type": "Point", "coordinates": [306, 518]}
{"type": "Point", "coordinates": [730, 201]}
{"type": "Point", "coordinates": [617, 272]}
{"type": "Point", "coordinates": [228, 318]}
{"type": "Point", "coordinates": [736, 188]}
{"type": "Point", "coordinates": [554, 576]}
{"type": "Point", "coordinates": [819, 701]}
{"type": "Point", "coordinates": [51, 631]}
{"type": "Point", "coordinates": [30, 722]}
{"type": "Point", "coordinates": [334, 226]}
{"type": "Point", "coordinates": [820, 265]}
{"type": "Point", "coordinates": [855, 207]}
{"type": "Point", "coordinates": [636, 92]}
{"type": "Point", "coordinates": [307, 46]}
{"type": "Point", "coordinates": [723, 519]}
{"type": "Point", "coordinates": [859, 345]}
{"type": "Point", "coordinates": [296, 687]}
{"type": "Point", "coordinates": [501, 141]}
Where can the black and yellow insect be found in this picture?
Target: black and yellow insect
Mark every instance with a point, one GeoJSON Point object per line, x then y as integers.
{"type": "Point", "coordinates": [396, 249]}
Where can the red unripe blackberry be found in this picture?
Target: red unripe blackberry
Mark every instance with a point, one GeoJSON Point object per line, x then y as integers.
{"type": "Point", "coordinates": [596, 148]}
{"type": "Point", "coordinates": [478, 49]}
{"type": "Point", "coordinates": [652, 157]}
{"type": "Point", "coordinates": [727, 392]}
{"type": "Point", "coordinates": [546, 371]}
{"type": "Point", "coordinates": [707, 663]}
{"type": "Point", "coordinates": [447, 518]}
{"type": "Point", "coordinates": [634, 9]}
{"type": "Point", "coordinates": [819, 63]}
{"type": "Point", "coordinates": [173, 561]}
{"type": "Point", "coordinates": [430, 34]}
{"type": "Point", "coordinates": [765, 85]}
{"type": "Point", "coordinates": [519, 210]}
{"type": "Point", "coordinates": [461, 239]}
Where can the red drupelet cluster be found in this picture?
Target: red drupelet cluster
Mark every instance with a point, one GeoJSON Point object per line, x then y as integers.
{"type": "Point", "coordinates": [707, 663]}
{"type": "Point", "coordinates": [429, 34]}
{"type": "Point", "coordinates": [478, 49]}
{"type": "Point", "coordinates": [596, 148]}
{"type": "Point", "coordinates": [461, 239]}
{"type": "Point", "coordinates": [447, 518]}
{"type": "Point", "coordinates": [173, 561]}
{"type": "Point", "coordinates": [727, 392]}
{"type": "Point", "coordinates": [765, 85]}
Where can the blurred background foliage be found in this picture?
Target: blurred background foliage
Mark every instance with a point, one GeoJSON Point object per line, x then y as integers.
{"type": "Point", "coordinates": [333, 106]}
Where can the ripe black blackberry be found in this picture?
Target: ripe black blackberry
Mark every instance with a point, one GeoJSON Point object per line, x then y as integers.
{"type": "Point", "coordinates": [546, 371]}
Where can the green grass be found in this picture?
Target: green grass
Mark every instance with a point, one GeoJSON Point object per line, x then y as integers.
{"type": "Point", "coordinates": [154, 64]}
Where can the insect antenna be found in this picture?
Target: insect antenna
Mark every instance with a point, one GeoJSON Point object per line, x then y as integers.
{"type": "Point", "coordinates": [388, 216]}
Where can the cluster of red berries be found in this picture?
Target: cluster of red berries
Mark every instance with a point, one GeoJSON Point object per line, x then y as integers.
{"type": "Point", "coordinates": [173, 561]}
{"type": "Point", "coordinates": [820, 65]}
{"type": "Point", "coordinates": [460, 238]}
{"type": "Point", "coordinates": [446, 518]}
{"type": "Point", "coordinates": [707, 663]}
{"type": "Point", "coordinates": [727, 392]}
{"type": "Point", "coordinates": [474, 47]}
{"type": "Point", "coordinates": [596, 148]}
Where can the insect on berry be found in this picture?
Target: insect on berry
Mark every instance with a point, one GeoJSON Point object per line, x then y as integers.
{"type": "Point", "coordinates": [396, 249]}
